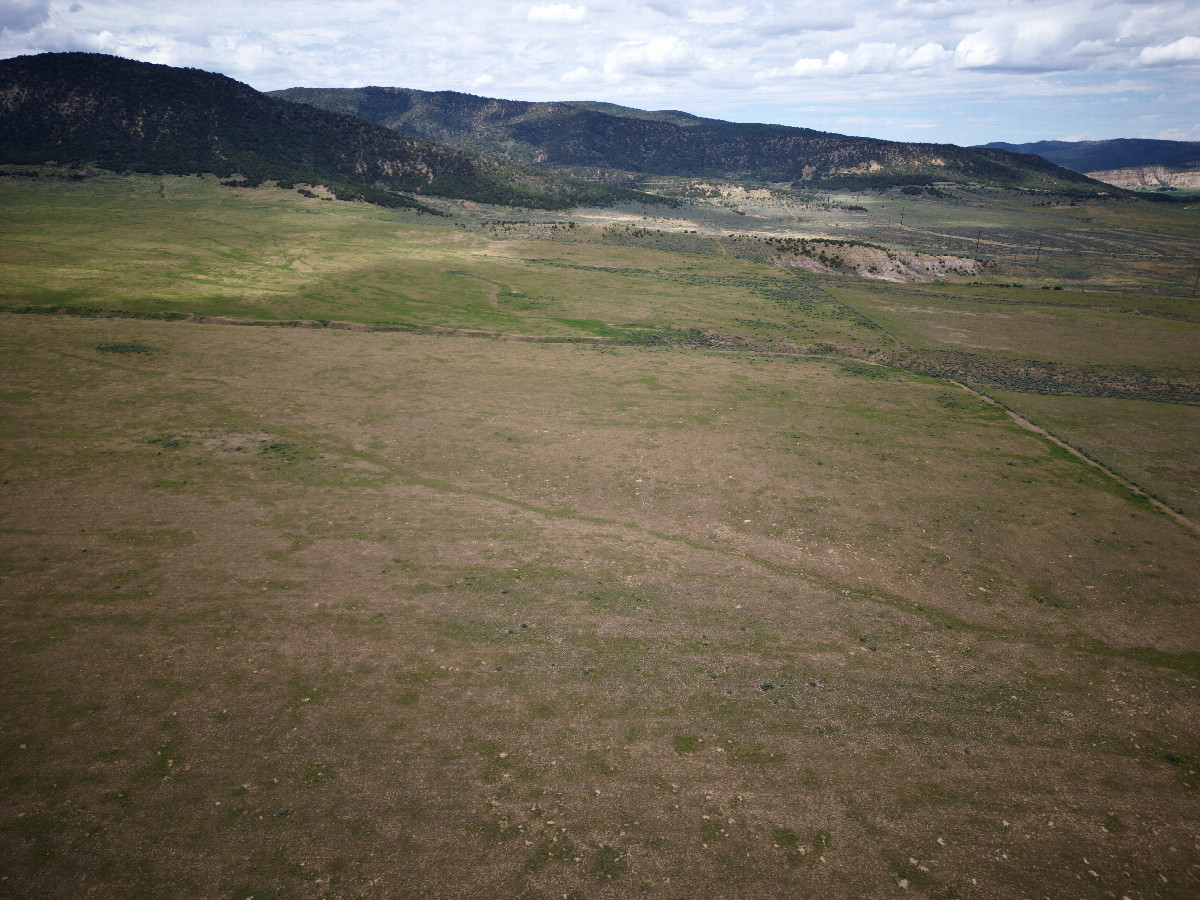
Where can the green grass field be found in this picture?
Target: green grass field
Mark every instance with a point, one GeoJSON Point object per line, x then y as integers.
{"type": "Point", "coordinates": [697, 599]}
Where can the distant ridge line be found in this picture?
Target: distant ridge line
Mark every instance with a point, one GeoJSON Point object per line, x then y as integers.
{"type": "Point", "coordinates": [1103, 156]}
{"type": "Point", "coordinates": [592, 136]}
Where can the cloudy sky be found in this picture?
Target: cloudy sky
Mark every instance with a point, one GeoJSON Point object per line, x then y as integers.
{"type": "Point", "coordinates": [962, 71]}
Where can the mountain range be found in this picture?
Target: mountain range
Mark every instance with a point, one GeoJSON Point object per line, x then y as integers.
{"type": "Point", "coordinates": [598, 138]}
{"type": "Point", "coordinates": [389, 145]}
{"type": "Point", "coordinates": [1104, 156]}
{"type": "Point", "coordinates": [85, 108]}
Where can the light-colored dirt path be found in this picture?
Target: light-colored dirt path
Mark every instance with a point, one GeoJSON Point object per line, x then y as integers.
{"type": "Point", "coordinates": [1133, 487]}
{"type": "Point", "coordinates": [1075, 451]}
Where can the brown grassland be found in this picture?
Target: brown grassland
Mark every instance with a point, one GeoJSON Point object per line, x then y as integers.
{"type": "Point", "coordinates": [706, 582]}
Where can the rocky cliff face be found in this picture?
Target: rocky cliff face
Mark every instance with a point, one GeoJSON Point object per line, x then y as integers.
{"type": "Point", "coordinates": [1150, 178]}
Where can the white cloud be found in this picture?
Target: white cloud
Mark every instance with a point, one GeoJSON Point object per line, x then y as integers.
{"type": "Point", "coordinates": [839, 63]}
{"type": "Point", "coordinates": [1060, 66]}
{"type": "Point", "coordinates": [672, 9]}
{"type": "Point", "coordinates": [1036, 44]}
{"type": "Point", "coordinates": [658, 56]}
{"type": "Point", "coordinates": [797, 22]}
{"type": "Point", "coordinates": [20, 16]}
{"type": "Point", "coordinates": [717, 16]}
{"type": "Point", "coordinates": [875, 57]}
{"type": "Point", "coordinates": [1091, 49]}
{"type": "Point", "coordinates": [1184, 51]}
{"type": "Point", "coordinates": [933, 9]}
{"type": "Point", "coordinates": [977, 51]}
{"type": "Point", "coordinates": [557, 12]}
{"type": "Point", "coordinates": [928, 56]}
{"type": "Point", "coordinates": [1180, 134]}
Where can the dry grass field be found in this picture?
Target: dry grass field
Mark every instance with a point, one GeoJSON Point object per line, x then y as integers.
{"type": "Point", "coordinates": [678, 591]}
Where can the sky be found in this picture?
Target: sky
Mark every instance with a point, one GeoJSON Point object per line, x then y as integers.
{"type": "Point", "coordinates": [953, 71]}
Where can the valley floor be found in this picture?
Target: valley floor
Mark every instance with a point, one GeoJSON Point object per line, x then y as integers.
{"type": "Point", "coordinates": [713, 585]}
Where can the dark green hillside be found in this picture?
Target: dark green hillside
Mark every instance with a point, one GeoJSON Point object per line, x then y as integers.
{"type": "Point", "coordinates": [128, 116]}
{"type": "Point", "coordinates": [604, 136]}
{"type": "Point", "coordinates": [1100, 156]}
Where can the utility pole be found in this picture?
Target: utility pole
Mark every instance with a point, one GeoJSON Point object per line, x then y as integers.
{"type": "Point", "coordinates": [977, 234]}
{"type": "Point", "coordinates": [1039, 254]}
{"type": "Point", "coordinates": [902, 217]}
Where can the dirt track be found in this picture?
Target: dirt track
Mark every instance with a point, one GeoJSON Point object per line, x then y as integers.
{"type": "Point", "coordinates": [1075, 451]}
